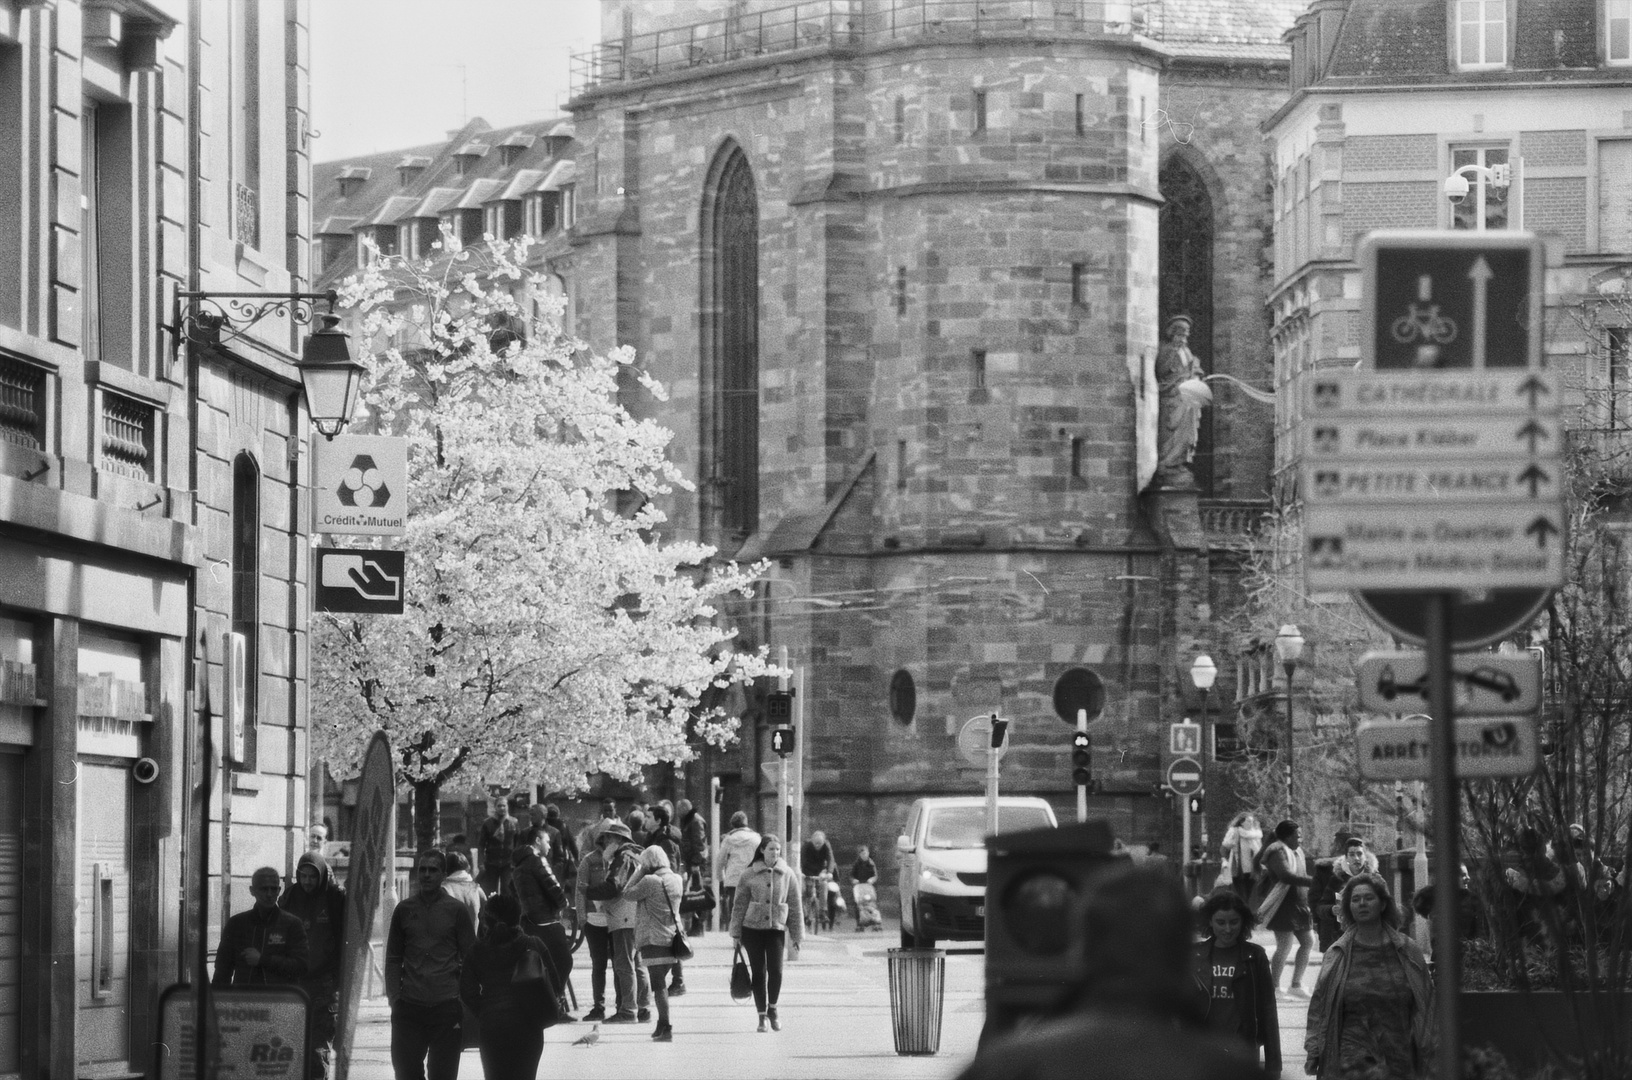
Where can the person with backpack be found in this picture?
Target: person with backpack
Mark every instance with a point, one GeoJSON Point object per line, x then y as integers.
{"type": "Point", "coordinates": [496, 840]}
{"type": "Point", "coordinates": [500, 983]}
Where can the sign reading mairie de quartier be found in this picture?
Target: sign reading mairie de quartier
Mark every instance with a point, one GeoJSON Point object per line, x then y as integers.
{"type": "Point", "coordinates": [1437, 465]}
{"type": "Point", "coordinates": [360, 485]}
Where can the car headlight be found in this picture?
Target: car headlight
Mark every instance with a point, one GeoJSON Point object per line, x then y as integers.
{"type": "Point", "coordinates": [935, 873]}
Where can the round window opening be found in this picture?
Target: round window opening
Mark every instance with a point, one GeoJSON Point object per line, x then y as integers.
{"type": "Point", "coordinates": [1038, 912]}
{"type": "Point", "coordinates": [903, 696]}
{"type": "Point", "coordinates": [1077, 689]}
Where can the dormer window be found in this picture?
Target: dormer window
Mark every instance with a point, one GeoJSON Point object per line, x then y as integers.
{"type": "Point", "coordinates": [510, 150]}
{"type": "Point", "coordinates": [410, 168]}
{"type": "Point", "coordinates": [504, 219]}
{"type": "Point", "coordinates": [543, 210]}
{"type": "Point", "coordinates": [1618, 31]}
{"type": "Point", "coordinates": [352, 178]}
{"type": "Point", "coordinates": [1481, 34]}
{"type": "Point", "coordinates": [467, 155]}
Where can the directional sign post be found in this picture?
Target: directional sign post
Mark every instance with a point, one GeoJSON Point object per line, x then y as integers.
{"type": "Point", "coordinates": [1434, 469]}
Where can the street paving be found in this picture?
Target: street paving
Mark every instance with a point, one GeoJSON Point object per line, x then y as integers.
{"type": "Point", "coordinates": [835, 1013]}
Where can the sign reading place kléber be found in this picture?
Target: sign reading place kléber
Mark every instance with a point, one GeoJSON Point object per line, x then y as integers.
{"type": "Point", "coordinates": [1438, 465]}
{"type": "Point", "coordinates": [360, 485]}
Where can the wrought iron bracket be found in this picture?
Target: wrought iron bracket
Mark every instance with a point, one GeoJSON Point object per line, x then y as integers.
{"type": "Point", "coordinates": [209, 318]}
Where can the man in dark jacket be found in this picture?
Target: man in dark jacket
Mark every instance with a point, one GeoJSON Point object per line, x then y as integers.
{"type": "Point", "coordinates": [1135, 1011]}
{"type": "Point", "coordinates": [431, 932]}
{"type": "Point", "coordinates": [264, 946]}
{"type": "Point", "coordinates": [319, 902]}
{"type": "Point", "coordinates": [543, 901]}
{"type": "Point", "coordinates": [496, 840]}
{"type": "Point", "coordinates": [564, 855]}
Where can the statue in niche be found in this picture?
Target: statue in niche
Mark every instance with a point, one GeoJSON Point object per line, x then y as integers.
{"type": "Point", "coordinates": [1183, 395]}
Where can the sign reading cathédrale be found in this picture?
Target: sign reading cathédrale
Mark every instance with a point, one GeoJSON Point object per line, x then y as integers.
{"type": "Point", "coordinates": [360, 485]}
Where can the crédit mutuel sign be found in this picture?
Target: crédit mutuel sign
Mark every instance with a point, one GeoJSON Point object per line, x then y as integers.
{"type": "Point", "coordinates": [360, 485]}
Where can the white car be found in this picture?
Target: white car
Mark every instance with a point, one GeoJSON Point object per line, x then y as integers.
{"type": "Point", "coordinates": [942, 859]}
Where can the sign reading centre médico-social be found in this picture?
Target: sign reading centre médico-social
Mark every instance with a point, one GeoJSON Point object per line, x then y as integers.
{"type": "Point", "coordinates": [360, 485]}
{"type": "Point", "coordinates": [1437, 465]}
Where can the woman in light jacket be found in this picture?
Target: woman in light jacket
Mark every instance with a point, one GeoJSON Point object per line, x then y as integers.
{"type": "Point", "coordinates": [656, 890]}
{"type": "Point", "coordinates": [765, 918]}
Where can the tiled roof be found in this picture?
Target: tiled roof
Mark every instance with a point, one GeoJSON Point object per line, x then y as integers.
{"type": "Point", "coordinates": [522, 183]}
{"type": "Point", "coordinates": [1225, 22]}
{"type": "Point", "coordinates": [1226, 51]}
{"type": "Point", "coordinates": [479, 193]}
{"type": "Point", "coordinates": [435, 201]}
{"type": "Point", "coordinates": [1407, 40]}
{"type": "Point", "coordinates": [335, 226]}
{"type": "Point", "coordinates": [563, 173]}
{"type": "Point", "coordinates": [391, 211]}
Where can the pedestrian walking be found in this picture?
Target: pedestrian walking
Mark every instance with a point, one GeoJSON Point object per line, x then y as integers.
{"type": "Point", "coordinates": [863, 872]}
{"type": "Point", "coordinates": [1352, 861]}
{"type": "Point", "coordinates": [622, 861]}
{"type": "Point", "coordinates": [511, 1003]}
{"type": "Point", "coordinates": [264, 946]}
{"type": "Point", "coordinates": [319, 902]}
{"type": "Point", "coordinates": [693, 857]}
{"type": "Point", "coordinates": [1281, 902]}
{"type": "Point", "coordinates": [543, 904]}
{"type": "Point", "coordinates": [664, 835]}
{"type": "Point", "coordinates": [430, 935]}
{"type": "Point", "coordinates": [496, 840]}
{"type": "Point", "coordinates": [462, 887]}
{"type": "Point", "coordinates": [656, 890]}
{"type": "Point", "coordinates": [737, 850]}
{"type": "Point", "coordinates": [1232, 976]}
{"type": "Point", "coordinates": [592, 921]}
{"type": "Point", "coordinates": [1372, 1013]}
{"type": "Point", "coordinates": [1243, 840]}
{"type": "Point", "coordinates": [766, 918]}
{"type": "Point", "coordinates": [1134, 1011]}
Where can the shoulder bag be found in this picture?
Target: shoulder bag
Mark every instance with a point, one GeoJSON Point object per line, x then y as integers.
{"type": "Point", "coordinates": [699, 898]}
{"type": "Point", "coordinates": [677, 944]}
{"type": "Point", "coordinates": [531, 972]}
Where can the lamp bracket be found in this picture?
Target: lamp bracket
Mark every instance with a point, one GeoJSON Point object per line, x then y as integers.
{"type": "Point", "coordinates": [209, 318]}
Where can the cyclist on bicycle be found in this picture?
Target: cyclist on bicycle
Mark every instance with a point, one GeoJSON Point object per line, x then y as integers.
{"type": "Point", "coordinates": [819, 866]}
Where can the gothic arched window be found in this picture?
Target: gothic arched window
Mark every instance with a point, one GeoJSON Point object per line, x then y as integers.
{"type": "Point", "coordinates": [1185, 279]}
{"type": "Point", "coordinates": [730, 350]}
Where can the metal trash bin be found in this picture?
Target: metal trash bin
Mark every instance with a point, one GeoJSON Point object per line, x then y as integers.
{"type": "Point", "coordinates": [917, 991]}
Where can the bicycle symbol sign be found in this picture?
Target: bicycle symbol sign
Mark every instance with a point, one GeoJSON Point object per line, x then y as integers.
{"type": "Point", "coordinates": [1435, 300]}
{"type": "Point", "coordinates": [1424, 323]}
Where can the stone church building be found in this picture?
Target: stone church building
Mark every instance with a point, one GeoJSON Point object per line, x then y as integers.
{"type": "Point", "coordinates": [903, 265]}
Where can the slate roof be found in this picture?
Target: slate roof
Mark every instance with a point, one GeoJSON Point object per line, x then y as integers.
{"type": "Point", "coordinates": [1397, 41]}
{"type": "Point", "coordinates": [1225, 23]}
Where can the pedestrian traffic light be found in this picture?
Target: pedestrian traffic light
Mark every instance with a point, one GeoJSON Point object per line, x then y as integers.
{"type": "Point", "coordinates": [1082, 760]}
{"type": "Point", "coordinates": [782, 740]}
{"type": "Point", "coordinates": [1195, 804]}
{"type": "Point", "coordinates": [779, 708]}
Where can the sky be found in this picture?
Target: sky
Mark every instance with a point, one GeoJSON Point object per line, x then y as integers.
{"type": "Point", "coordinates": [390, 74]}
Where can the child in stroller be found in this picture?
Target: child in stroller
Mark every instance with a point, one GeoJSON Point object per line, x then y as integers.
{"type": "Point", "coordinates": [862, 876]}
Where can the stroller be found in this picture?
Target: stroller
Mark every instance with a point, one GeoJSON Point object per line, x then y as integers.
{"type": "Point", "coordinates": [868, 917]}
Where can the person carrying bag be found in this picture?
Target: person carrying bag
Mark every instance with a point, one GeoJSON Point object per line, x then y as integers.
{"type": "Point", "coordinates": [742, 981]}
{"type": "Point", "coordinates": [506, 984]}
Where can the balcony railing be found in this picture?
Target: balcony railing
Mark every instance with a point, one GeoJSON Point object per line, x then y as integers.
{"type": "Point", "coordinates": [127, 437]}
{"type": "Point", "coordinates": [22, 404]}
{"type": "Point", "coordinates": [1233, 523]}
{"type": "Point", "coordinates": [854, 24]}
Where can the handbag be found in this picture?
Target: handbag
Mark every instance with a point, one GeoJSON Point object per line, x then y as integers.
{"type": "Point", "coordinates": [699, 898]}
{"type": "Point", "coordinates": [530, 971]}
{"type": "Point", "coordinates": [678, 944]}
{"type": "Point", "coordinates": [742, 981]}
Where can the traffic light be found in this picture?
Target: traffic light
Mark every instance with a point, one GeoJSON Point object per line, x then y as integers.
{"type": "Point", "coordinates": [1195, 804]}
{"type": "Point", "coordinates": [1036, 884]}
{"type": "Point", "coordinates": [782, 740]}
{"type": "Point", "coordinates": [1082, 760]}
{"type": "Point", "coordinates": [779, 708]}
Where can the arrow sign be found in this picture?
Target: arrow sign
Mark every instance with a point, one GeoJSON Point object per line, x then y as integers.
{"type": "Point", "coordinates": [1533, 431]}
{"type": "Point", "coordinates": [1534, 388]}
{"type": "Point", "coordinates": [1539, 528]}
{"type": "Point", "coordinates": [1480, 274]}
{"type": "Point", "coordinates": [1535, 476]}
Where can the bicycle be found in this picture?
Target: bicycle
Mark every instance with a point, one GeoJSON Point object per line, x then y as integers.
{"type": "Point", "coordinates": [817, 913]}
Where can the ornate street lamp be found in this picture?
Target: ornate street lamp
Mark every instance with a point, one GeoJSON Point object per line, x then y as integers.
{"type": "Point", "coordinates": [1203, 673]}
{"type": "Point", "coordinates": [1288, 648]}
{"type": "Point", "coordinates": [329, 377]}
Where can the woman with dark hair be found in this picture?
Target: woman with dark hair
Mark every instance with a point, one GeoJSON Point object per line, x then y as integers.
{"type": "Point", "coordinates": [1372, 1013]}
{"type": "Point", "coordinates": [511, 1013]}
{"type": "Point", "coordinates": [1232, 974]}
{"type": "Point", "coordinates": [766, 917]}
{"type": "Point", "coordinates": [1281, 902]}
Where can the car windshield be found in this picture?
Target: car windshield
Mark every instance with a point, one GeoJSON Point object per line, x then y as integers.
{"type": "Point", "coordinates": [965, 826]}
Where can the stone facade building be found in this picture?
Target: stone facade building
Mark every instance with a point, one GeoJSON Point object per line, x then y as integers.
{"type": "Point", "coordinates": [902, 265]}
{"type": "Point", "coordinates": [150, 501]}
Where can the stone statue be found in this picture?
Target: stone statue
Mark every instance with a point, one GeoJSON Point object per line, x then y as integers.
{"type": "Point", "coordinates": [1179, 377]}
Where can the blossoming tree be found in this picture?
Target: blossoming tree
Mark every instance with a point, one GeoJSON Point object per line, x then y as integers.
{"type": "Point", "coordinates": [547, 635]}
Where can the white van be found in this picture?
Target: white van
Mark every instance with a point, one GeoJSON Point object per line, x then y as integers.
{"type": "Point", "coordinates": [942, 859]}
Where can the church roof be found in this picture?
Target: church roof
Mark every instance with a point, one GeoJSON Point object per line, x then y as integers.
{"type": "Point", "coordinates": [1187, 26]}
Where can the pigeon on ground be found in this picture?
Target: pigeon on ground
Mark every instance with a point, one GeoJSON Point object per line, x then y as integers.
{"type": "Point", "coordinates": [590, 1037]}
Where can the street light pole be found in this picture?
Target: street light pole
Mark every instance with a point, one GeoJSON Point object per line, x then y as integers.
{"type": "Point", "coordinates": [1203, 673]}
{"type": "Point", "coordinates": [1288, 648]}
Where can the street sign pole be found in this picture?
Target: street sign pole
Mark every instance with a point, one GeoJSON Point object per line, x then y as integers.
{"type": "Point", "coordinates": [783, 788]}
{"type": "Point", "coordinates": [1440, 609]}
{"type": "Point", "coordinates": [992, 746]}
{"type": "Point", "coordinates": [1082, 790]}
{"type": "Point", "coordinates": [1184, 832]}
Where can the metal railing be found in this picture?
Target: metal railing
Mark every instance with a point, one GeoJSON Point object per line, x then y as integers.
{"type": "Point", "coordinates": [829, 24]}
{"type": "Point", "coordinates": [22, 404]}
{"type": "Point", "coordinates": [127, 437]}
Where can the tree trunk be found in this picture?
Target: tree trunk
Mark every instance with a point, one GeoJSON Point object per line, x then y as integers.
{"type": "Point", "coordinates": [427, 818]}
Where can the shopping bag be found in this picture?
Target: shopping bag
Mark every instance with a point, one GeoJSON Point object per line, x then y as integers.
{"type": "Point", "coordinates": [699, 898]}
{"type": "Point", "coordinates": [742, 981]}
